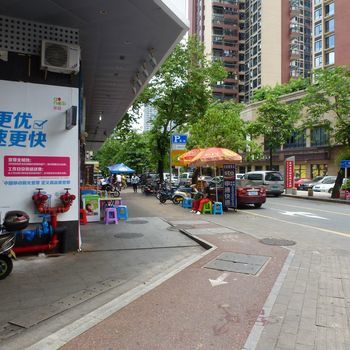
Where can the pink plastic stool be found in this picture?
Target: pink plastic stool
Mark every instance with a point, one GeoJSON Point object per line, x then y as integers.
{"type": "Point", "coordinates": [110, 216]}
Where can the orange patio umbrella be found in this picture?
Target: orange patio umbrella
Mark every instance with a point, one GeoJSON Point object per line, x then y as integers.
{"type": "Point", "coordinates": [215, 156]}
{"type": "Point", "coordinates": [189, 155]}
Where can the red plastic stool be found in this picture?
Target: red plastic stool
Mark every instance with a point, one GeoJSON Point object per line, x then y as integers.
{"type": "Point", "coordinates": [83, 217]}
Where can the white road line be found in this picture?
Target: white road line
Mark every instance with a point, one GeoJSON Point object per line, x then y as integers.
{"type": "Point", "coordinates": [300, 207]}
{"type": "Point", "coordinates": [302, 225]}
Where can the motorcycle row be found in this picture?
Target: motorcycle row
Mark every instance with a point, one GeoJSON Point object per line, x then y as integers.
{"type": "Point", "coordinates": [166, 192]}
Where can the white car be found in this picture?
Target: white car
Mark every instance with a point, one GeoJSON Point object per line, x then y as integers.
{"type": "Point", "coordinates": [325, 185]}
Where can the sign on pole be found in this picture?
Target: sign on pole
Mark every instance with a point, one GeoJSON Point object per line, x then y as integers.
{"type": "Point", "coordinates": [230, 195]}
{"type": "Point", "coordinates": [178, 141]}
{"type": "Point", "coordinates": [345, 164]}
{"type": "Point", "coordinates": [175, 154]}
{"type": "Point", "coordinates": [289, 172]}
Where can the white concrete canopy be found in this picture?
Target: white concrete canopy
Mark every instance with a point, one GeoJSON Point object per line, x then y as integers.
{"type": "Point", "coordinates": [116, 37]}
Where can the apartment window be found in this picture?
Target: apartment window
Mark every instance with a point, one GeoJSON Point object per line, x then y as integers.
{"type": "Point", "coordinates": [330, 57]}
{"type": "Point", "coordinates": [318, 61]}
{"type": "Point", "coordinates": [319, 136]}
{"type": "Point", "coordinates": [318, 29]}
{"type": "Point", "coordinates": [318, 45]}
{"type": "Point", "coordinates": [296, 140]}
{"type": "Point", "coordinates": [330, 25]}
{"type": "Point", "coordinates": [329, 9]}
{"type": "Point", "coordinates": [317, 2]}
{"type": "Point", "coordinates": [330, 41]}
{"type": "Point", "coordinates": [318, 14]}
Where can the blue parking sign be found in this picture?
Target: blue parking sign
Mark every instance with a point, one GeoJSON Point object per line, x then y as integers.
{"type": "Point", "coordinates": [345, 163]}
{"type": "Point", "coordinates": [179, 139]}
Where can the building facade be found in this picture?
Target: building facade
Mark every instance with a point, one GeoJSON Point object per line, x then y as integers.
{"type": "Point", "coordinates": [330, 28]}
{"type": "Point", "coordinates": [314, 152]}
{"type": "Point", "coordinates": [149, 113]}
{"type": "Point", "coordinates": [260, 42]}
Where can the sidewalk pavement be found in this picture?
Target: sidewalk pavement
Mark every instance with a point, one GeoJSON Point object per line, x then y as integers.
{"type": "Point", "coordinates": [317, 196]}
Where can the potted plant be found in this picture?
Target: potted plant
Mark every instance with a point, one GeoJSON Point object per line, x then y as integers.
{"type": "Point", "coordinates": [345, 190]}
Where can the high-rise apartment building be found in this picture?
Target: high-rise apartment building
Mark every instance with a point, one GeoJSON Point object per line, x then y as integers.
{"type": "Point", "coordinates": [217, 24]}
{"type": "Point", "coordinates": [261, 42]}
{"type": "Point", "coordinates": [331, 33]}
{"type": "Point", "coordinates": [149, 114]}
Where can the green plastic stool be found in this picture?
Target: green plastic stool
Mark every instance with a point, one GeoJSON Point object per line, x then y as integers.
{"type": "Point", "coordinates": [207, 208]}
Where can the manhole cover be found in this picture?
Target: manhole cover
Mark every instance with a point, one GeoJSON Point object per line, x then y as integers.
{"type": "Point", "coordinates": [128, 235]}
{"type": "Point", "coordinates": [137, 222]}
{"type": "Point", "coordinates": [241, 263]}
{"type": "Point", "coordinates": [276, 241]}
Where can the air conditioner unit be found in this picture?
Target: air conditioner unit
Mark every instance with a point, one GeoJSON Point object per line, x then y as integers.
{"type": "Point", "coordinates": [60, 57]}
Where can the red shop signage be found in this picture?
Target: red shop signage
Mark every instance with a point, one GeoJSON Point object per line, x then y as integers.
{"type": "Point", "coordinates": [289, 174]}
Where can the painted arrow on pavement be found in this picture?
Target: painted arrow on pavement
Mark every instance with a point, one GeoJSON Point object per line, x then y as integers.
{"type": "Point", "coordinates": [220, 280]}
{"type": "Point", "coordinates": [302, 213]}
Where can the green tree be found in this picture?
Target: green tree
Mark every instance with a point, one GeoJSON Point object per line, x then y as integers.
{"type": "Point", "coordinates": [276, 121]}
{"type": "Point", "coordinates": [221, 126]}
{"type": "Point", "coordinates": [328, 104]}
{"type": "Point", "coordinates": [180, 92]}
{"type": "Point", "coordinates": [278, 90]}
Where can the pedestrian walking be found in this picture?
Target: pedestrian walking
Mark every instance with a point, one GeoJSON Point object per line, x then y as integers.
{"type": "Point", "coordinates": [134, 181]}
{"type": "Point", "coordinates": [119, 181]}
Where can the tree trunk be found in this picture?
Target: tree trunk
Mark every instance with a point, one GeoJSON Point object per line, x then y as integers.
{"type": "Point", "coordinates": [338, 184]}
{"type": "Point", "coordinates": [270, 158]}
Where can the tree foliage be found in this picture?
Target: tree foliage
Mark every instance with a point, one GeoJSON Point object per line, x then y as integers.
{"type": "Point", "coordinates": [180, 92]}
{"type": "Point", "coordinates": [278, 90]}
{"type": "Point", "coordinates": [221, 126]}
{"type": "Point", "coordinates": [276, 121]}
{"type": "Point", "coordinates": [330, 97]}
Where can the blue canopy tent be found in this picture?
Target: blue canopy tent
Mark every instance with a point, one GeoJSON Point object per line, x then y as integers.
{"type": "Point", "coordinates": [120, 169]}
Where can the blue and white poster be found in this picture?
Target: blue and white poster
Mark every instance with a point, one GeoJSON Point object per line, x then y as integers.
{"type": "Point", "coordinates": [230, 193]}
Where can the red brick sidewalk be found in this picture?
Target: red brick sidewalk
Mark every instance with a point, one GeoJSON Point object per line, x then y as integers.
{"type": "Point", "coordinates": [186, 312]}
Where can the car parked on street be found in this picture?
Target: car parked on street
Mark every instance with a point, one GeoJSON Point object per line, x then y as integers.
{"type": "Point", "coordinates": [185, 179]}
{"type": "Point", "coordinates": [310, 184]}
{"type": "Point", "coordinates": [272, 180]}
{"type": "Point", "coordinates": [325, 185]}
{"type": "Point", "coordinates": [247, 193]}
{"type": "Point", "coordinates": [299, 182]}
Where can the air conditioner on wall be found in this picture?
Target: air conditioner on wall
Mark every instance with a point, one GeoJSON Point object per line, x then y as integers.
{"type": "Point", "coordinates": [60, 57]}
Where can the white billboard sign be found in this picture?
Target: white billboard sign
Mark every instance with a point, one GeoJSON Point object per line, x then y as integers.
{"type": "Point", "coordinates": [36, 150]}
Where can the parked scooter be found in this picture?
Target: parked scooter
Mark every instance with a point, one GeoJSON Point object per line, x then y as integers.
{"type": "Point", "coordinates": [183, 192]}
{"type": "Point", "coordinates": [167, 193]}
{"type": "Point", "coordinates": [13, 221]}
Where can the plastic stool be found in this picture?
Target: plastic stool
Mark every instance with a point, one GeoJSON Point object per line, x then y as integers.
{"type": "Point", "coordinates": [110, 216]}
{"type": "Point", "coordinates": [207, 208]}
{"type": "Point", "coordinates": [83, 217]}
{"type": "Point", "coordinates": [122, 212]}
{"type": "Point", "coordinates": [187, 203]}
{"type": "Point", "coordinates": [217, 208]}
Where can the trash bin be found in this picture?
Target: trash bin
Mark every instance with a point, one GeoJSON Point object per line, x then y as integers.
{"type": "Point", "coordinates": [310, 192]}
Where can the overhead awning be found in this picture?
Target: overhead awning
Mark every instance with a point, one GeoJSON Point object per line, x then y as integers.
{"type": "Point", "coordinates": [118, 40]}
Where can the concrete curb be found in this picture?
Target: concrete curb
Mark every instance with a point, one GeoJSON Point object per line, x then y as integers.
{"type": "Point", "coordinates": [263, 319]}
{"type": "Point", "coordinates": [329, 200]}
{"type": "Point", "coordinates": [63, 336]}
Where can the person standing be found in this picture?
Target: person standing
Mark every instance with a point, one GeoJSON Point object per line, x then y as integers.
{"type": "Point", "coordinates": [134, 181]}
{"type": "Point", "coordinates": [119, 181]}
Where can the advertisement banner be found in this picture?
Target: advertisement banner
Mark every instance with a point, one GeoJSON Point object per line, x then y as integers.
{"type": "Point", "coordinates": [230, 193]}
{"type": "Point", "coordinates": [175, 154]}
{"type": "Point", "coordinates": [36, 150]}
{"type": "Point", "coordinates": [289, 172]}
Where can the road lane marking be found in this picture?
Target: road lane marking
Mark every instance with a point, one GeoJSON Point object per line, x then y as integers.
{"type": "Point", "coordinates": [323, 210]}
{"type": "Point", "coordinates": [302, 225]}
{"type": "Point", "coordinates": [302, 213]}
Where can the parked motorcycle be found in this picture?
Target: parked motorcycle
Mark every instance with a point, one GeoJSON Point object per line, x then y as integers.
{"type": "Point", "coordinates": [167, 193]}
{"type": "Point", "coordinates": [183, 192]}
{"type": "Point", "coordinates": [13, 221]}
{"type": "Point", "coordinates": [110, 188]}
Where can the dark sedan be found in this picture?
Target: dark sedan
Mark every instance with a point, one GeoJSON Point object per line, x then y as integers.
{"type": "Point", "coordinates": [247, 193]}
{"type": "Point", "coordinates": [310, 184]}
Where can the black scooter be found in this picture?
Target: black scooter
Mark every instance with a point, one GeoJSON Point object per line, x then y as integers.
{"type": "Point", "coordinates": [14, 221]}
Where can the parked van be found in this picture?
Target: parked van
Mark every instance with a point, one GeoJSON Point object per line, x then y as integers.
{"type": "Point", "coordinates": [272, 180]}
